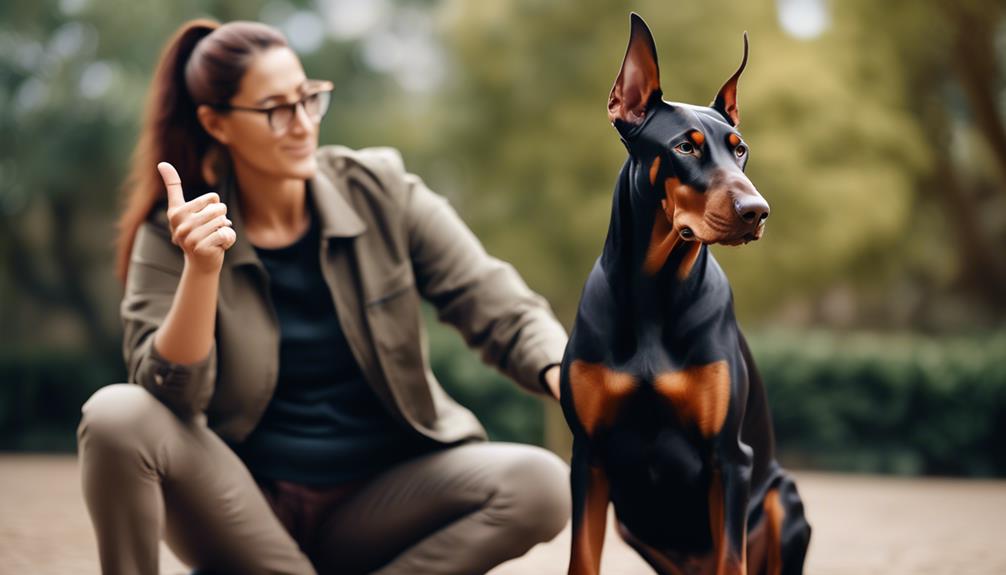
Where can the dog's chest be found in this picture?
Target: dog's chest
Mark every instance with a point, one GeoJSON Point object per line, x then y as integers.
{"type": "Point", "coordinates": [670, 361]}
{"type": "Point", "coordinates": [695, 398]}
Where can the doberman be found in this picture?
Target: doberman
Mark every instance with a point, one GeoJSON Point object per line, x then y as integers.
{"type": "Point", "coordinates": [669, 416]}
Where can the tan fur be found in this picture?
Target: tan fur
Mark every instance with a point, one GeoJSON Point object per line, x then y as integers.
{"type": "Point", "coordinates": [598, 393]}
{"type": "Point", "coordinates": [700, 395]}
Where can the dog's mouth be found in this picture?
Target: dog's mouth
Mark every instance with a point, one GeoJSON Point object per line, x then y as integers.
{"type": "Point", "coordinates": [740, 240]}
{"type": "Point", "coordinates": [730, 238]}
{"type": "Point", "coordinates": [745, 237]}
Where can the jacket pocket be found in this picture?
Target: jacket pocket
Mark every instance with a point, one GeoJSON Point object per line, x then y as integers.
{"type": "Point", "coordinates": [396, 325]}
{"type": "Point", "coordinates": [399, 282]}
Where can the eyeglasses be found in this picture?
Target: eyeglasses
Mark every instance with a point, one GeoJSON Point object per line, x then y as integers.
{"type": "Point", "coordinates": [317, 97]}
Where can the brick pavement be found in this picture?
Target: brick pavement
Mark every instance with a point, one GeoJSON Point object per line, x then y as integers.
{"type": "Point", "coordinates": [863, 525]}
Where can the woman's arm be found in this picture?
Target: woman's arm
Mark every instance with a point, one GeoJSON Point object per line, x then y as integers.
{"type": "Point", "coordinates": [153, 285]}
{"type": "Point", "coordinates": [483, 297]}
{"type": "Point", "coordinates": [186, 335]}
{"type": "Point", "coordinates": [169, 310]}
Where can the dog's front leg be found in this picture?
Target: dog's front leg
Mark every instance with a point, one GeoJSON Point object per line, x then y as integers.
{"type": "Point", "coordinates": [729, 491]}
{"type": "Point", "coordinates": [590, 510]}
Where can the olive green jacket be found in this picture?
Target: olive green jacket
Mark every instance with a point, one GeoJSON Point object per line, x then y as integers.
{"type": "Point", "coordinates": [386, 242]}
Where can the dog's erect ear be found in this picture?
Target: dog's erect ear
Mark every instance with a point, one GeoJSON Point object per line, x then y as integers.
{"type": "Point", "coordinates": [726, 101]}
{"type": "Point", "coordinates": [639, 78]}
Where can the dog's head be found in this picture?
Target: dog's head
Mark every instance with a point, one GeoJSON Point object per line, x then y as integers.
{"type": "Point", "coordinates": [694, 155]}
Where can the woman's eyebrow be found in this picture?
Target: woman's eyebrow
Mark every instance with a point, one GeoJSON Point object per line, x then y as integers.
{"type": "Point", "coordinates": [268, 99]}
{"type": "Point", "coordinates": [300, 89]}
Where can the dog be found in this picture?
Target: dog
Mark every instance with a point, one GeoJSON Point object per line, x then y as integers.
{"type": "Point", "coordinates": [669, 415]}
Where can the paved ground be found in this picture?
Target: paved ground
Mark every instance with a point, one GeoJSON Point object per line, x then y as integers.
{"type": "Point", "coordinates": [862, 525]}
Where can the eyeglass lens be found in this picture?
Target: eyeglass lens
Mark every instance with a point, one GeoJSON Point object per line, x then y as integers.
{"type": "Point", "coordinates": [315, 105]}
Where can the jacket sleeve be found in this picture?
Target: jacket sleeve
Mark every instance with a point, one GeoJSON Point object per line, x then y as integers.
{"type": "Point", "coordinates": [483, 297]}
{"type": "Point", "coordinates": [155, 270]}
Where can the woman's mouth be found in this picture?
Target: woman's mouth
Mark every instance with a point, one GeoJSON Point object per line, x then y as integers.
{"type": "Point", "coordinates": [299, 151]}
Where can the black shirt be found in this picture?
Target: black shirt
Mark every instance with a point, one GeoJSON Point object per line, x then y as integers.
{"type": "Point", "coordinates": [324, 425]}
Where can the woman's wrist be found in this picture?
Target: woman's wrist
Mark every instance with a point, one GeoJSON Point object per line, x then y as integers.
{"type": "Point", "coordinates": [549, 379]}
{"type": "Point", "coordinates": [186, 335]}
{"type": "Point", "coordinates": [201, 270]}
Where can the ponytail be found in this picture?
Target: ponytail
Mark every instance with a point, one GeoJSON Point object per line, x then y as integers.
{"type": "Point", "coordinates": [203, 63]}
{"type": "Point", "coordinates": [171, 132]}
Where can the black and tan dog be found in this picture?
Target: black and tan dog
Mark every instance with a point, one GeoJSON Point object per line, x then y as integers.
{"type": "Point", "coordinates": [668, 413]}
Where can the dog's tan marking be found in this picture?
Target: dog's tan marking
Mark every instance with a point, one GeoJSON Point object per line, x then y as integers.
{"type": "Point", "coordinates": [687, 202]}
{"type": "Point", "coordinates": [774, 515]}
{"type": "Point", "coordinates": [656, 558]}
{"type": "Point", "coordinates": [724, 559]}
{"type": "Point", "coordinates": [669, 203]}
{"type": "Point", "coordinates": [688, 260]}
{"type": "Point", "coordinates": [734, 140]}
{"type": "Point", "coordinates": [742, 565]}
{"type": "Point", "coordinates": [717, 519]}
{"type": "Point", "coordinates": [654, 168]}
{"type": "Point", "coordinates": [588, 537]}
{"type": "Point", "coordinates": [663, 240]}
{"type": "Point", "coordinates": [698, 138]}
{"type": "Point", "coordinates": [700, 395]}
{"type": "Point", "coordinates": [598, 394]}
{"type": "Point", "coordinates": [764, 546]}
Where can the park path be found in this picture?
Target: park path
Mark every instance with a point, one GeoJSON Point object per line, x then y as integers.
{"type": "Point", "coordinates": [863, 525]}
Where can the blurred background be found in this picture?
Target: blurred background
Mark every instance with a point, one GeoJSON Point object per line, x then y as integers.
{"type": "Point", "coordinates": [875, 304]}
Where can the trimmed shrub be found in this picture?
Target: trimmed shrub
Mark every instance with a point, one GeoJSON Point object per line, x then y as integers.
{"type": "Point", "coordinates": [903, 404]}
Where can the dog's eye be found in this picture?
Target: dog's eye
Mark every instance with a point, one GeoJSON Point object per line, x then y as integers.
{"type": "Point", "coordinates": [685, 148]}
{"type": "Point", "coordinates": [740, 150]}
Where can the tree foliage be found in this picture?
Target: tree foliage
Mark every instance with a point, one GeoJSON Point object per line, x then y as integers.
{"type": "Point", "coordinates": [880, 144]}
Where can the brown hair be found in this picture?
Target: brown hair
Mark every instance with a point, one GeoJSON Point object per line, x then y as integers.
{"type": "Point", "coordinates": [203, 63]}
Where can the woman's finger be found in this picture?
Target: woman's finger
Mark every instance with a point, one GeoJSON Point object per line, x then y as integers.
{"type": "Point", "coordinates": [179, 214]}
{"type": "Point", "coordinates": [193, 221]}
{"type": "Point", "coordinates": [173, 183]}
{"type": "Point", "coordinates": [206, 229]}
{"type": "Point", "coordinates": [209, 198]}
{"type": "Point", "coordinates": [223, 237]}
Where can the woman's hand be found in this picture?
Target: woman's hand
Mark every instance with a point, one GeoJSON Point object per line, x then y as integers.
{"type": "Point", "coordinates": [552, 380]}
{"type": "Point", "coordinates": [200, 227]}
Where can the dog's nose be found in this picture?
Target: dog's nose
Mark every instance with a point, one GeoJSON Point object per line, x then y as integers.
{"type": "Point", "coordinates": [752, 208]}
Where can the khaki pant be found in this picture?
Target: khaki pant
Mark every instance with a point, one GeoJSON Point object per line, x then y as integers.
{"type": "Point", "coordinates": [147, 474]}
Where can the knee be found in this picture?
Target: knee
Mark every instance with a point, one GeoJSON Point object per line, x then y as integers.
{"type": "Point", "coordinates": [537, 483]}
{"type": "Point", "coordinates": [121, 415]}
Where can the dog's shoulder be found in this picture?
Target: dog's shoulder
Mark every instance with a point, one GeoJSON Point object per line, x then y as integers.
{"type": "Point", "coordinates": [596, 315]}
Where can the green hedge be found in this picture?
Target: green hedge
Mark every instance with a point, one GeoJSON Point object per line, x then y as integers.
{"type": "Point", "coordinates": [857, 402]}
{"type": "Point", "coordinates": [887, 403]}
{"type": "Point", "coordinates": [508, 413]}
{"type": "Point", "coordinates": [41, 392]}
{"type": "Point", "coordinates": [903, 404]}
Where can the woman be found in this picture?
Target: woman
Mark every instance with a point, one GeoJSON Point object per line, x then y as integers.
{"type": "Point", "coordinates": [286, 419]}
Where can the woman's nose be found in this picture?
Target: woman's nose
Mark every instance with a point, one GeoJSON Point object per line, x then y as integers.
{"type": "Point", "coordinates": [302, 121]}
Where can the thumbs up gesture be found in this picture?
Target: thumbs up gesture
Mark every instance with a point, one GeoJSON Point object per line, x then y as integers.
{"type": "Point", "coordinates": [200, 226]}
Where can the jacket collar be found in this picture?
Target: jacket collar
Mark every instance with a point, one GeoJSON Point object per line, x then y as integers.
{"type": "Point", "coordinates": [338, 218]}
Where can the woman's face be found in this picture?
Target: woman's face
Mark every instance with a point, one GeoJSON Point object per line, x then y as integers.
{"type": "Point", "coordinates": [274, 77]}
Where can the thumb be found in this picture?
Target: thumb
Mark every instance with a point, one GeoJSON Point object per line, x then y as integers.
{"type": "Point", "coordinates": [173, 183]}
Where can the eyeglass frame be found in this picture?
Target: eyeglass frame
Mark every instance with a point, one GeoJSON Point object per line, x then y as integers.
{"type": "Point", "coordinates": [325, 86]}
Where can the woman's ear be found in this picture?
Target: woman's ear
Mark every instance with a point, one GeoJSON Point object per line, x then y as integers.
{"type": "Point", "coordinates": [213, 164]}
{"type": "Point", "coordinates": [213, 123]}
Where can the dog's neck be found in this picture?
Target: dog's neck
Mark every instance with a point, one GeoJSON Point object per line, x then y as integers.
{"type": "Point", "coordinates": [665, 302]}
